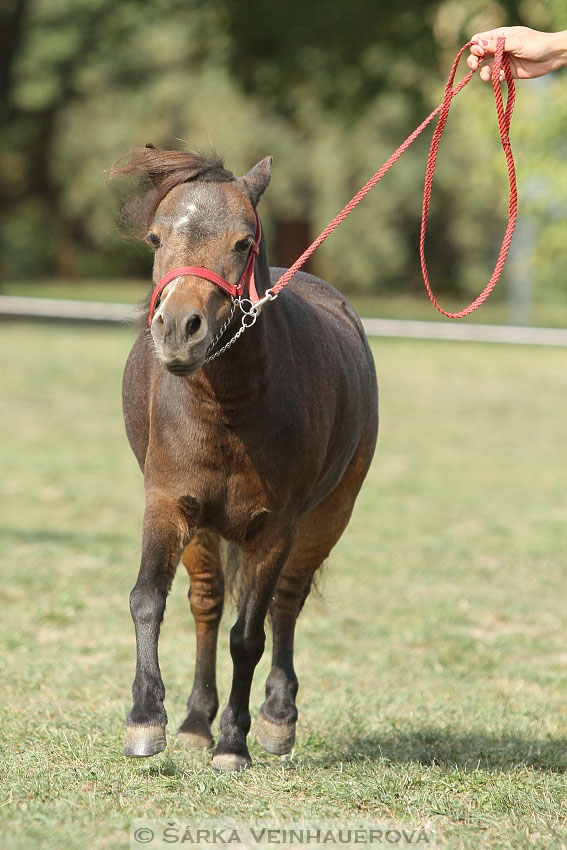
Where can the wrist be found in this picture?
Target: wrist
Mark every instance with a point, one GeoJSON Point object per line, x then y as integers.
{"type": "Point", "coordinates": [560, 48]}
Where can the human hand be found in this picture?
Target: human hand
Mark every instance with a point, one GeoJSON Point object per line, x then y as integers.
{"type": "Point", "coordinates": [531, 53]}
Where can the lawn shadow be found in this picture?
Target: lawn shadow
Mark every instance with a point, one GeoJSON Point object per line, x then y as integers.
{"type": "Point", "coordinates": [437, 746]}
{"type": "Point", "coordinates": [182, 764]}
{"type": "Point", "coordinates": [429, 746]}
{"type": "Point", "coordinates": [57, 536]}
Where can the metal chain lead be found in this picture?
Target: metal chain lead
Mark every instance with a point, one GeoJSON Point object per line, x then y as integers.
{"type": "Point", "coordinates": [249, 316]}
{"type": "Point", "coordinates": [221, 331]}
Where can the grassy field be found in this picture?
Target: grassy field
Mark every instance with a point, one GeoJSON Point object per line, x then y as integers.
{"type": "Point", "coordinates": [432, 663]}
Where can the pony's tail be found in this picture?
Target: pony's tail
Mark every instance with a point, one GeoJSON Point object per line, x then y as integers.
{"type": "Point", "coordinates": [232, 560]}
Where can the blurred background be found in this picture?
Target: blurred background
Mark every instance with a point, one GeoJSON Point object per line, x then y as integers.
{"type": "Point", "coordinates": [435, 651]}
{"type": "Point", "coordinates": [329, 88]}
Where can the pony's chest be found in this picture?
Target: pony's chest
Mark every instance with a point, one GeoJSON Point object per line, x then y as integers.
{"type": "Point", "coordinates": [213, 468]}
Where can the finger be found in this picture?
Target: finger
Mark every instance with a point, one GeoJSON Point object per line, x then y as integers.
{"type": "Point", "coordinates": [472, 62]}
{"type": "Point", "coordinates": [486, 74]}
{"type": "Point", "coordinates": [490, 42]}
{"type": "Point", "coordinates": [482, 38]}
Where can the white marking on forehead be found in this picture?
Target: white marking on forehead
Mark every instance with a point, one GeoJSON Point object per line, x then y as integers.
{"type": "Point", "coordinates": [191, 209]}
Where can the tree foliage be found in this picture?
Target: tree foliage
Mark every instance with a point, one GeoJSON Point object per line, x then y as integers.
{"type": "Point", "coordinates": [329, 88]}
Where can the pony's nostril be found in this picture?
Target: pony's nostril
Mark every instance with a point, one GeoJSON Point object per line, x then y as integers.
{"type": "Point", "coordinates": [193, 326]}
{"type": "Point", "coordinates": [159, 327]}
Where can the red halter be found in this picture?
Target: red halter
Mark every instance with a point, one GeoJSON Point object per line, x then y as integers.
{"type": "Point", "coordinates": [233, 289]}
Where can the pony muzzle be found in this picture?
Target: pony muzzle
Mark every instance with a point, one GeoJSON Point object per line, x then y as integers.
{"type": "Point", "coordinates": [181, 335]}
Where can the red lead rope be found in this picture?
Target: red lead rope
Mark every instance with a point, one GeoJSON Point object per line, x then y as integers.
{"type": "Point", "coordinates": [504, 117]}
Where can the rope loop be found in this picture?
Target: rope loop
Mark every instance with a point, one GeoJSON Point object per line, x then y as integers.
{"type": "Point", "coordinates": [504, 114]}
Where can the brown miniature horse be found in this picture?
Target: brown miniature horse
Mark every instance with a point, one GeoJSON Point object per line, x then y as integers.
{"type": "Point", "coordinates": [264, 448]}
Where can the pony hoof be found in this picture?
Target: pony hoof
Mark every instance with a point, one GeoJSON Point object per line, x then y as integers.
{"type": "Point", "coordinates": [194, 740]}
{"type": "Point", "coordinates": [275, 738]}
{"type": "Point", "coordinates": [226, 762]}
{"type": "Point", "coordinates": [141, 741]}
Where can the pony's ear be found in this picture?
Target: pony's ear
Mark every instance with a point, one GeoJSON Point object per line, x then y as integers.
{"type": "Point", "coordinates": [256, 181]}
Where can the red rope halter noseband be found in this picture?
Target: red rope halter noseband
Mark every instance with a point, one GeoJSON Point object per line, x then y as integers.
{"type": "Point", "coordinates": [233, 289]}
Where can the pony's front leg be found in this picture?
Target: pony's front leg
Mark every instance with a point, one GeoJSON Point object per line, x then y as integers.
{"type": "Point", "coordinates": [262, 564]}
{"type": "Point", "coordinates": [165, 532]}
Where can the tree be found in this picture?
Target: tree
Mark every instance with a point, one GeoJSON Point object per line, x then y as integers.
{"type": "Point", "coordinates": [329, 88]}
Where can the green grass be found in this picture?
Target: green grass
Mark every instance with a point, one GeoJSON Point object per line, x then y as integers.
{"type": "Point", "coordinates": [494, 311]}
{"type": "Point", "coordinates": [432, 663]}
{"type": "Point", "coordinates": [120, 290]}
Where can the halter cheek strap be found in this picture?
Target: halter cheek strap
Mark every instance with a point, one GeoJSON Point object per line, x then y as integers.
{"type": "Point", "coordinates": [232, 289]}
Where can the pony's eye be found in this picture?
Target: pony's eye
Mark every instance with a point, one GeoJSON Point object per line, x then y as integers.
{"type": "Point", "coordinates": [153, 239]}
{"type": "Point", "coordinates": [243, 245]}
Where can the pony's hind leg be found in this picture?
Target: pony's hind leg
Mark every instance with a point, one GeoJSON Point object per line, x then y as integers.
{"type": "Point", "coordinates": [202, 561]}
{"type": "Point", "coordinates": [276, 722]}
{"type": "Point", "coordinates": [316, 534]}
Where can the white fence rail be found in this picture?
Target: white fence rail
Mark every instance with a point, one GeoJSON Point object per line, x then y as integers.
{"type": "Point", "coordinates": [97, 311]}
